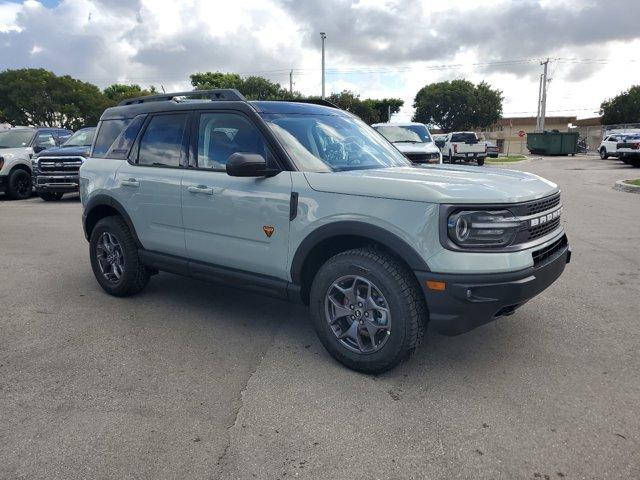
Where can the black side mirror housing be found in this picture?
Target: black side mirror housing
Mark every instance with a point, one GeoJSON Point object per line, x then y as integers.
{"type": "Point", "coordinates": [249, 165]}
{"type": "Point", "coordinates": [38, 148]}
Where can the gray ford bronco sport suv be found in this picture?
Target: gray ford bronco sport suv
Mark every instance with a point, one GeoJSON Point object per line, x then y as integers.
{"type": "Point", "coordinates": [307, 203]}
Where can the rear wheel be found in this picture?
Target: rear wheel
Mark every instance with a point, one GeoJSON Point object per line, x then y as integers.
{"type": "Point", "coordinates": [603, 153]}
{"type": "Point", "coordinates": [635, 162]}
{"type": "Point", "coordinates": [50, 196]}
{"type": "Point", "coordinates": [367, 310]}
{"type": "Point", "coordinates": [19, 185]}
{"type": "Point", "coordinates": [114, 258]}
{"type": "Point", "coordinates": [480, 162]}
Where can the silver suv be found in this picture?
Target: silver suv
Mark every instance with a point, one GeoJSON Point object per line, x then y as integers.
{"type": "Point", "coordinates": [307, 203]}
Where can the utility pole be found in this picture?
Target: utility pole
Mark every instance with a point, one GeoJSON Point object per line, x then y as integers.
{"type": "Point", "coordinates": [388, 113]}
{"type": "Point", "coordinates": [323, 36]}
{"type": "Point", "coordinates": [539, 104]}
{"type": "Point", "coordinates": [543, 107]}
{"type": "Point", "coordinates": [291, 82]}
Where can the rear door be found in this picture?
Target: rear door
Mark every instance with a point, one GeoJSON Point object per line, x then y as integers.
{"type": "Point", "coordinates": [149, 183]}
{"type": "Point", "coordinates": [240, 223]}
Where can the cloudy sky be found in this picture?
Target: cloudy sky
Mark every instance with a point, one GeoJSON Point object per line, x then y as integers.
{"type": "Point", "coordinates": [374, 47]}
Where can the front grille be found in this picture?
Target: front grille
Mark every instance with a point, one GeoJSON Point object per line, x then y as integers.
{"type": "Point", "coordinates": [421, 157]}
{"type": "Point", "coordinates": [61, 165]}
{"type": "Point", "coordinates": [541, 230]}
{"type": "Point", "coordinates": [537, 206]}
{"type": "Point", "coordinates": [541, 255]}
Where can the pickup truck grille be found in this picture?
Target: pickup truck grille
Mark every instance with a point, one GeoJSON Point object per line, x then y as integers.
{"type": "Point", "coordinates": [422, 157]}
{"type": "Point", "coordinates": [60, 165]}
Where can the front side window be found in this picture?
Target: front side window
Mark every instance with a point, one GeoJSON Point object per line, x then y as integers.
{"type": "Point", "coordinates": [322, 143]}
{"type": "Point", "coordinates": [163, 142]}
{"type": "Point", "coordinates": [220, 135]}
{"type": "Point", "coordinates": [108, 131]}
{"type": "Point", "coordinates": [15, 138]}
{"type": "Point", "coordinates": [405, 133]}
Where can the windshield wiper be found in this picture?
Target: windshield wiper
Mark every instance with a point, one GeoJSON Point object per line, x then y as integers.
{"type": "Point", "coordinates": [407, 141]}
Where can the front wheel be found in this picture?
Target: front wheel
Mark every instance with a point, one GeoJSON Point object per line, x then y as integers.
{"type": "Point", "coordinates": [19, 185]}
{"type": "Point", "coordinates": [50, 196]}
{"type": "Point", "coordinates": [367, 310]}
{"type": "Point", "coordinates": [114, 258]}
{"type": "Point", "coordinates": [603, 153]}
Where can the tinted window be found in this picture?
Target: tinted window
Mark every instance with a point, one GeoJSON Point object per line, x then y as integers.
{"type": "Point", "coordinates": [162, 143]}
{"type": "Point", "coordinates": [464, 137]}
{"type": "Point", "coordinates": [82, 138]}
{"type": "Point", "coordinates": [221, 135]}
{"type": "Point", "coordinates": [108, 131]}
{"type": "Point", "coordinates": [121, 145]}
{"type": "Point", "coordinates": [45, 140]}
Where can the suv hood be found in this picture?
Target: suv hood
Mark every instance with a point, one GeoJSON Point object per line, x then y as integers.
{"type": "Point", "coordinates": [17, 152]}
{"type": "Point", "coordinates": [436, 184]}
{"type": "Point", "coordinates": [408, 147]}
{"type": "Point", "coordinates": [65, 152]}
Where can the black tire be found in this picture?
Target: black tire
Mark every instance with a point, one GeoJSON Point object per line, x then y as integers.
{"type": "Point", "coordinates": [603, 153]}
{"type": "Point", "coordinates": [404, 299]}
{"type": "Point", "coordinates": [634, 162]}
{"type": "Point", "coordinates": [450, 157]}
{"type": "Point", "coordinates": [135, 276]}
{"type": "Point", "coordinates": [19, 185]}
{"type": "Point", "coordinates": [480, 162]}
{"type": "Point", "coordinates": [50, 196]}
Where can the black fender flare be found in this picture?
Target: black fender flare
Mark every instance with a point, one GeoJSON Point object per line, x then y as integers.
{"type": "Point", "coordinates": [348, 227]}
{"type": "Point", "coordinates": [107, 200]}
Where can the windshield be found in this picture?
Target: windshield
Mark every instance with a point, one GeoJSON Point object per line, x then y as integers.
{"type": "Point", "coordinates": [82, 138]}
{"type": "Point", "coordinates": [16, 138]}
{"type": "Point", "coordinates": [322, 143]}
{"type": "Point", "coordinates": [405, 133]}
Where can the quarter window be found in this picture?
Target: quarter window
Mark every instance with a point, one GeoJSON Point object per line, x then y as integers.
{"type": "Point", "coordinates": [220, 135]}
{"type": "Point", "coordinates": [122, 144]}
{"type": "Point", "coordinates": [163, 142]}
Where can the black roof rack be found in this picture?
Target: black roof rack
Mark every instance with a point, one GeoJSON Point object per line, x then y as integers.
{"type": "Point", "coordinates": [315, 101]}
{"type": "Point", "coordinates": [218, 94]}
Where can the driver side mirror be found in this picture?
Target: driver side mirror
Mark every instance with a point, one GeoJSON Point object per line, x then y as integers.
{"type": "Point", "coordinates": [439, 143]}
{"type": "Point", "coordinates": [38, 148]}
{"type": "Point", "coordinates": [249, 165]}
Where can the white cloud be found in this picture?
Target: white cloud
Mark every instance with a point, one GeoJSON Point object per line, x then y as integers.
{"type": "Point", "coordinates": [374, 47]}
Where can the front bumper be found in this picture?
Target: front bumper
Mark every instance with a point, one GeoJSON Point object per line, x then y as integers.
{"type": "Point", "coordinates": [469, 301]}
{"type": "Point", "coordinates": [56, 183]}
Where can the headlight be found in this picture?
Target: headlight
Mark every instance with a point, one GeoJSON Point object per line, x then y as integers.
{"type": "Point", "coordinates": [482, 228]}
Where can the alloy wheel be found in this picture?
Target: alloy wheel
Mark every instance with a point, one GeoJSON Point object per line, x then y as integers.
{"type": "Point", "coordinates": [110, 257]}
{"type": "Point", "coordinates": [358, 314]}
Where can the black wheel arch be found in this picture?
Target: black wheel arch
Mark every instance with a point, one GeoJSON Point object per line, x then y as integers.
{"type": "Point", "coordinates": [102, 206]}
{"type": "Point", "coordinates": [333, 238]}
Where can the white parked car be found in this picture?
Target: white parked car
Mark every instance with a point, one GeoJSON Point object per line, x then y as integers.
{"type": "Point", "coordinates": [464, 146]}
{"type": "Point", "coordinates": [608, 146]}
{"type": "Point", "coordinates": [412, 139]}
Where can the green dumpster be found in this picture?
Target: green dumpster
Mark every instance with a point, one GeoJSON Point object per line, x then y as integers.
{"type": "Point", "coordinates": [553, 143]}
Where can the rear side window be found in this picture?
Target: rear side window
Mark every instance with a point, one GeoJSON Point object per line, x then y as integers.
{"type": "Point", "coordinates": [163, 142]}
{"type": "Point", "coordinates": [108, 131]}
{"type": "Point", "coordinates": [122, 144]}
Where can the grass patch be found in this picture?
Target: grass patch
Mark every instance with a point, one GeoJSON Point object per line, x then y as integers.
{"type": "Point", "coordinates": [635, 182]}
{"type": "Point", "coordinates": [507, 159]}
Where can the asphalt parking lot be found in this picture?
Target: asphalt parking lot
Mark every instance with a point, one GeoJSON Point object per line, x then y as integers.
{"type": "Point", "coordinates": [193, 380]}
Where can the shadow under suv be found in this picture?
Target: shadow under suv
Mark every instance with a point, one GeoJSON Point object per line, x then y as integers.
{"type": "Point", "coordinates": [307, 203]}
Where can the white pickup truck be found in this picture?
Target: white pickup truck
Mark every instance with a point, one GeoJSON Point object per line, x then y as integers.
{"type": "Point", "coordinates": [464, 146]}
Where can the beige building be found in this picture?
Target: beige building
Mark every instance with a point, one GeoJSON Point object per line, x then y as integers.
{"type": "Point", "coordinates": [510, 134]}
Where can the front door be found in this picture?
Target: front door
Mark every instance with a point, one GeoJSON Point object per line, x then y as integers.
{"type": "Point", "coordinates": [240, 223]}
{"type": "Point", "coordinates": [150, 183]}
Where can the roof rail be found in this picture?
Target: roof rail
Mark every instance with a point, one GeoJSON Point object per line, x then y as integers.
{"type": "Point", "coordinates": [218, 94]}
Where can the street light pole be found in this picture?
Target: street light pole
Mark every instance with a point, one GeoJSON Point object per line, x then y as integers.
{"type": "Point", "coordinates": [323, 36]}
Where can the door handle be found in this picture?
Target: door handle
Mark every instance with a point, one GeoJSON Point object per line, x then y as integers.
{"type": "Point", "coordinates": [201, 189]}
{"type": "Point", "coordinates": [131, 182]}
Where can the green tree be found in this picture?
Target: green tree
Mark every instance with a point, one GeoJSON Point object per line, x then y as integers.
{"type": "Point", "coordinates": [458, 105]}
{"type": "Point", "coordinates": [118, 92]}
{"type": "Point", "coordinates": [383, 106]}
{"type": "Point", "coordinates": [623, 108]}
{"type": "Point", "coordinates": [253, 88]}
{"type": "Point", "coordinates": [39, 97]}
{"type": "Point", "coordinates": [349, 101]}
